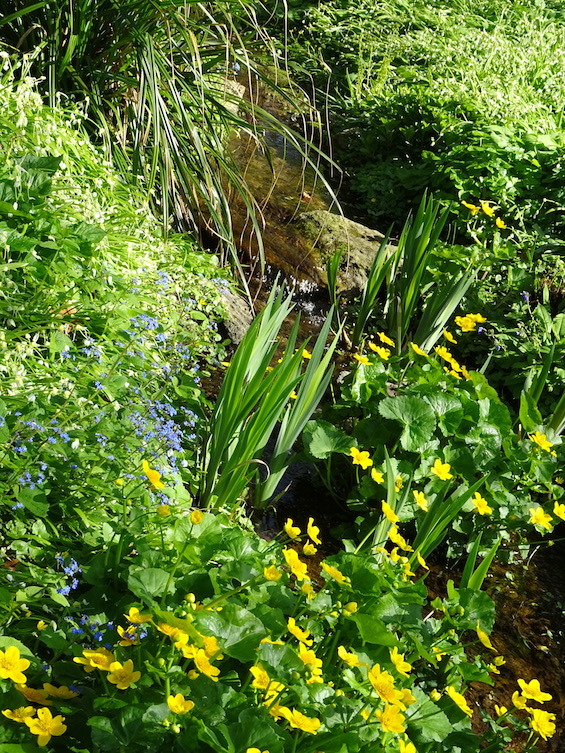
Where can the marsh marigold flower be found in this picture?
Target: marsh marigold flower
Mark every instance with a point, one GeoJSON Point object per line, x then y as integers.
{"type": "Point", "coordinates": [473, 208]}
{"type": "Point", "coordinates": [377, 476]}
{"type": "Point", "coordinates": [309, 549]}
{"type": "Point", "coordinates": [178, 704]}
{"type": "Point", "coordinates": [63, 692]}
{"type": "Point", "coordinates": [540, 518]}
{"type": "Point", "coordinates": [336, 574]}
{"type": "Point", "coordinates": [12, 666]}
{"type": "Point", "coordinates": [135, 616]}
{"type": "Point", "coordinates": [459, 700]}
{"type": "Point", "coordinates": [406, 747]}
{"type": "Point", "coordinates": [420, 500]}
{"type": "Point", "coordinates": [448, 336]}
{"type": "Point", "coordinates": [421, 561]}
{"type": "Point", "coordinates": [271, 573]}
{"type": "Point", "coordinates": [481, 505]}
{"type": "Point", "coordinates": [153, 475]}
{"type": "Point", "coordinates": [363, 360]}
{"type": "Point", "coordinates": [389, 513]}
{"type": "Point", "coordinates": [418, 350]}
{"type": "Point", "coordinates": [483, 637]}
{"type": "Point", "coordinates": [204, 666]}
{"type": "Point", "coordinates": [398, 539]}
{"type": "Point", "coordinates": [391, 719]}
{"type": "Point", "coordinates": [196, 517]}
{"type": "Point", "coordinates": [360, 458]}
{"type": "Point", "coordinates": [300, 721]}
{"type": "Point", "coordinates": [500, 223]}
{"type": "Point", "coordinates": [559, 510]}
{"type": "Point", "coordinates": [383, 353]}
{"type": "Point", "coordinates": [123, 675]}
{"type": "Point", "coordinates": [401, 665]}
{"type": "Point", "coordinates": [292, 531]}
{"type": "Point", "coordinates": [532, 691]}
{"type": "Point", "coordinates": [20, 714]}
{"type": "Point", "coordinates": [441, 470]}
{"type": "Point", "coordinates": [383, 684]}
{"type": "Point", "coordinates": [541, 440]}
{"type": "Point", "coordinates": [34, 695]}
{"type": "Point", "coordinates": [385, 339]}
{"type": "Point", "coordinates": [519, 701]}
{"type": "Point", "coordinates": [465, 323]}
{"type": "Point", "coordinates": [351, 659]}
{"type": "Point", "coordinates": [542, 722]}
{"type": "Point", "coordinates": [302, 635]}
{"type": "Point", "coordinates": [487, 209]}
{"type": "Point", "coordinates": [298, 568]}
{"type": "Point", "coordinates": [46, 726]}
{"type": "Point", "coordinates": [313, 531]}
{"type": "Point", "coordinates": [93, 659]}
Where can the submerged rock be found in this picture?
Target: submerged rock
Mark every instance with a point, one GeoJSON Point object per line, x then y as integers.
{"type": "Point", "coordinates": [328, 233]}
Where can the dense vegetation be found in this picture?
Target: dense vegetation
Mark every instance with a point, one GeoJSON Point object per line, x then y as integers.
{"type": "Point", "coordinates": [139, 606]}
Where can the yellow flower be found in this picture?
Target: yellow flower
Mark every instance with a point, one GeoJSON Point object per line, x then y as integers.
{"type": "Point", "coordinates": [449, 336]}
{"type": "Point", "coordinates": [398, 483]}
{"type": "Point", "coordinates": [483, 637]}
{"type": "Point", "coordinates": [459, 700]}
{"type": "Point", "coordinates": [255, 750]}
{"type": "Point", "coordinates": [473, 208]}
{"type": "Point", "coordinates": [498, 661]}
{"type": "Point", "coordinates": [313, 531]}
{"type": "Point", "coordinates": [351, 659]}
{"type": "Point", "coordinates": [441, 470]}
{"type": "Point", "coordinates": [62, 692]}
{"type": "Point", "coordinates": [407, 698]}
{"type": "Point", "coordinates": [418, 350]}
{"type": "Point", "coordinates": [500, 710]}
{"type": "Point", "coordinates": [309, 549]}
{"type": "Point", "coordinates": [170, 630]}
{"type": "Point", "coordinates": [12, 665]}
{"type": "Point", "coordinates": [500, 223]}
{"type": "Point", "coordinates": [122, 675]}
{"type": "Point", "coordinates": [120, 481]}
{"type": "Point", "coordinates": [360, 458]}
{"type": "Point", "coordinates": [34, 695]}
{"type": "Point", "coordinates": [377, 476]}
{"type": "Point", "coordinates": [306, 354]}
{"type": "Point", "coordinates": [487, 209]}
{"type": "Point", "coordinates": [336, 574]}
{"type": "Point", "coordinates": [402, 666]}
{"type": "Point", "coordinates": [350, 608]}
{"type": "Point", "coordinates": [153, 475]}
{"type": "Point", "coordinates": [397, 539]}
{"type": "Point", "coordinates": [302, 635]}
{"type": "Point", "coordinates": [211, 647]}
{"type": "Point", "coordinates": [196, 517]}
{"type": "Point", "coordinates": [435, 695]}
{"type": "Point", "coordinates": [542, 723]}
{"type": "Point", "coordinates": [477, 318]}
{"type": "Point", "coordinates": [309, 658]}
{"type": "Point", "coordinates": [362, 359]}
{"type": "Point", "coordinates": [385, 339]}
{"type": "Point", "coordinates": [41, 625]}
{"type": "Point", "coordinates": [465, 323]}
{"type": "Point", "coordinates": [261, 679]}
{"type": "Point", "coordinates": [541, 440]}
{"type": "Point", "coordinates": [135, 616]}
{"type": "Point", "coordinates": [292, 531]}
{"type": "Point", "coordinates": [298, 568]}
{"type": "Point", "coordinates": [99, 658]}
{"type": "Point", "coordinates": [384, 353]}
{"type": "Point", "coordinates": [406, 747]}
{"type": "Point", "coordinates": [163, 510]}
{"type": "Point", "coordinates": [539, 518]}
{"type": "Point", "coordinates": [532, 691]}
{"type": "Point", "coordinates": [519, 701]}
{"type": "Point", "coordinates": [271, 573]}
{"type": "Point", "coordinates": [20, 714]}
{"type": "Point", "coordinates": [203, 665]}
{"type": "Point", "coordinates": [45, 726]}
{"type": "Point", "coordinates": [391, 719]}
{"type": "Point", "coordinates": [308, 589]}
{"type": "Point", "coordinates": [389, 513]}
{"type": "Point", "coordinates": [299, 721]}
{"type": "Point", "coordinates": [559, 510]}
{"type": "Point", "coordinates": [178, 704]}
{"type": "Point", "coordinates": [481, 505]}
{"type": "Point", "coordinates": [421, 561]}
{"type": "Point", "coordinates": [444, 353]}
{"type": "Point", "coordinates": [420, 500]}
{"type": "Point", "coordinates": [129, 637]}
{"type": "Point", "coordinates": [383, 684]}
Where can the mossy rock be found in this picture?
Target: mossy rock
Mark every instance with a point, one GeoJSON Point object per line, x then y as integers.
{"type": "Point", "coordinates": [330, 233]}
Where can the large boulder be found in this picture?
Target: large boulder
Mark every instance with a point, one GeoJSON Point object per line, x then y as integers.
{"type": "Point", "coordinates": [329, 233]}
{"type": "Point", "coordinates": [239, 315]}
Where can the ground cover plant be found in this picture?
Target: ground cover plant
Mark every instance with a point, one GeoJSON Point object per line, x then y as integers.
{"type": "Point", "coordinates": [138, 604]}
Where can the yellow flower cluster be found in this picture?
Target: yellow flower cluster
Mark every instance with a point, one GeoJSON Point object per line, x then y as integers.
{"type": "Point", "coordinates": [468, 323]}
{"type": "Point", "coordinates": [488, 209]}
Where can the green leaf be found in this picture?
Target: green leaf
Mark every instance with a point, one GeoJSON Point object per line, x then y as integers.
{"type": "Point", "coordinates": [149, 583]}
{"type": "Point", "coordinates": [59, 342]}
{"type": "Point", "coordinates": [373, 630]}
{"type": "Point", "coordinates": [530, 417]}
{"type": "Point", "coordinates": [6, 641]}
{"type": "Point", "coordinates": [33, 500]}
{"type": "Point", "coordinates": [322, 438]}
{"type": "Point", "coordinates": [430, 723]}
{"type": "Point", "coordinates": [415, 414]}
{"type": "Point", "coordinates": [237, 629]}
